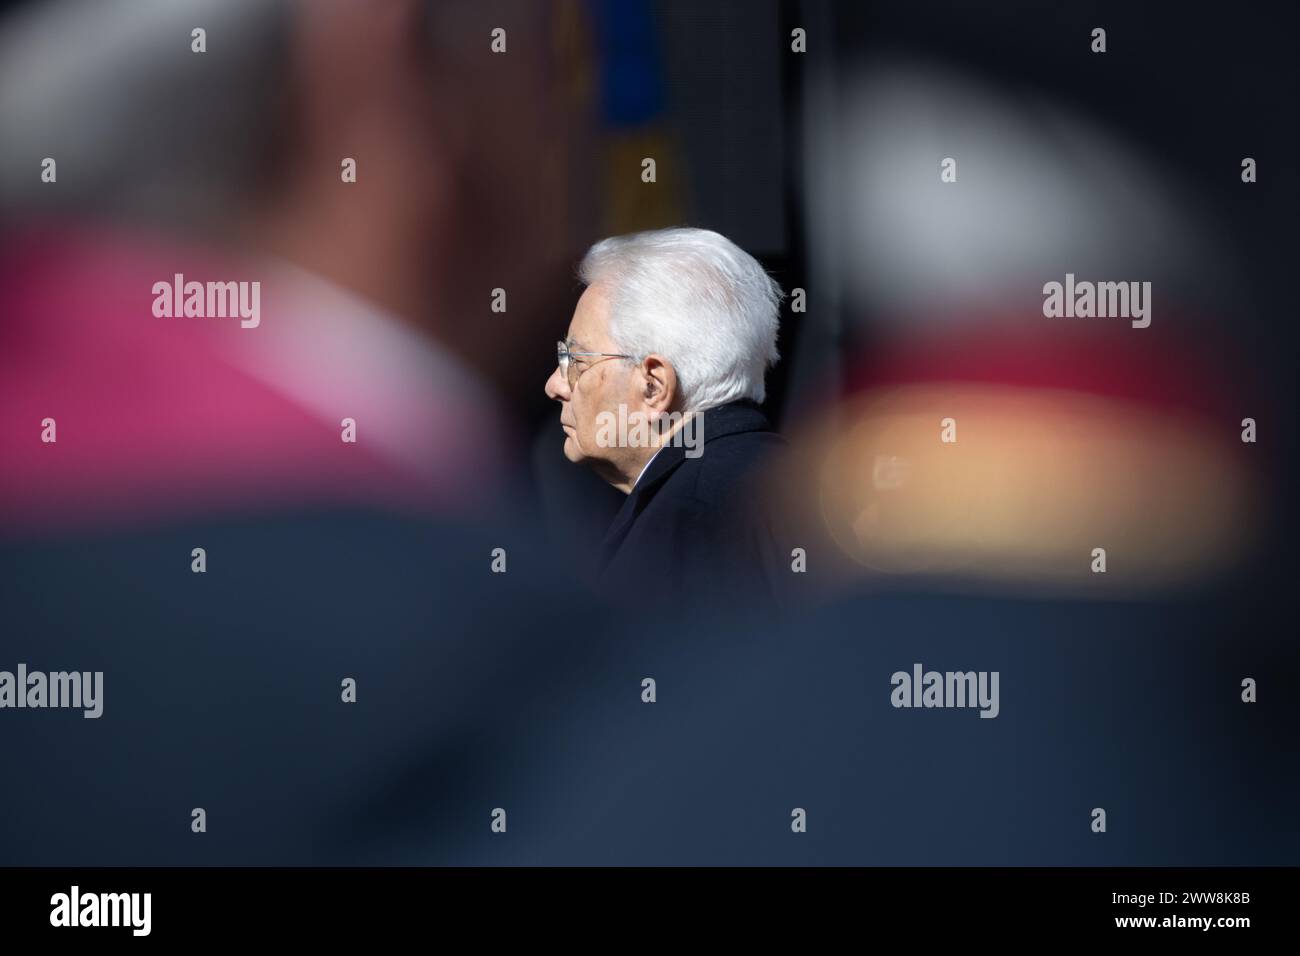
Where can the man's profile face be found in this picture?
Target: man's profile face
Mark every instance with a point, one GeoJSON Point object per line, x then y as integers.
{"type": "Point", "coordinates": [600, 385]}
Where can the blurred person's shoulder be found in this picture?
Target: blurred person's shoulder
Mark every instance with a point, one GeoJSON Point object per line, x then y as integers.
{"type": "Point", "coordinates": [151, 408]}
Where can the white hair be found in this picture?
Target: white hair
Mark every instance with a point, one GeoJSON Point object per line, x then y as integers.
{"type": "Point", "coordinates": [696, 298]}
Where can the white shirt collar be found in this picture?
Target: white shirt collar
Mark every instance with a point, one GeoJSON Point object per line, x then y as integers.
{"type": "Point", "coordinates": [647, 466]}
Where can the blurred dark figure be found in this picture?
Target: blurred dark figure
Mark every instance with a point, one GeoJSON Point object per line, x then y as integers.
{"type": "Point", "coordinates": [231, 515]}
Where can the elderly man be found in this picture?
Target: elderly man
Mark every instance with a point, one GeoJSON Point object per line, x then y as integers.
{"type": "Point", "coordinates": [659, 381]}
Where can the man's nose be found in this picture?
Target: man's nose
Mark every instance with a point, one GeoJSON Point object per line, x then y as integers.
{"type": "Point", "coordinates": [557, 387]}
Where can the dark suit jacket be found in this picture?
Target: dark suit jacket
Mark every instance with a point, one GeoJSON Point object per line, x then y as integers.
{"type": "Point", "coordinates": [695, 528]}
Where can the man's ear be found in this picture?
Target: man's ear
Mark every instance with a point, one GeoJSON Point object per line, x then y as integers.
{"type": "Point", "coordinates": [658, 383]}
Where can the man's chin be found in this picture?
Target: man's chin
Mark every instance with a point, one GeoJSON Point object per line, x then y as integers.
{"type": "Point", "coordinates": [572, 451]}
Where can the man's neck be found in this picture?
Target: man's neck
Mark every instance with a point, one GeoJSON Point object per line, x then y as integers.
{"type": "Point", "coordinates": [625, 475]}
{"type": "Point", "coordinates": [631, 474]}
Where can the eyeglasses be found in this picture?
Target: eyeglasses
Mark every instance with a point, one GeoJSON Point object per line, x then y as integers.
{"type": "Point", "coordinates": [570, 370]}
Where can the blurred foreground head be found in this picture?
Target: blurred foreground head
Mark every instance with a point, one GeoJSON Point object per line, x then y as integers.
{"type": "Point", "coordinates": [376, 167]}
{"type": "Point", "coordinates": [244, 132]}
{"type": "Point", "coordinates": [968, 437]}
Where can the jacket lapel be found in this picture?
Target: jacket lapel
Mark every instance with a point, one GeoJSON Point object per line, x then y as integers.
{"type": "Point", "coordinates": [742, 416]}
{"type": "Point", "coordinates": [663, 465]}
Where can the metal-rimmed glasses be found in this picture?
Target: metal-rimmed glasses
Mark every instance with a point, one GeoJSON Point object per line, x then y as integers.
{"type": "Point", "coordinates": [570, 370]}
